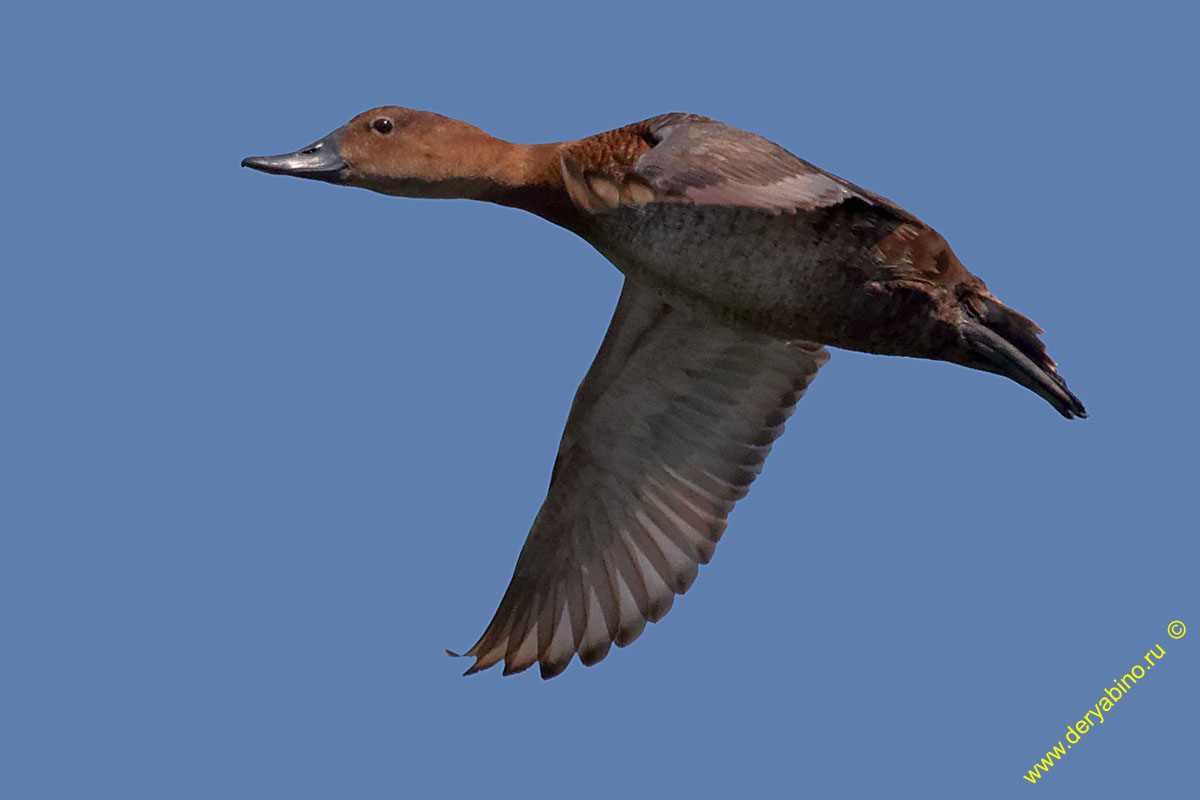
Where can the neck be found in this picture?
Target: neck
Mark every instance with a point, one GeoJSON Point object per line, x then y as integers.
{"type": "Point", "coordinates": [522, 176]}
{"type": "Point", "coordinates": [476, 166]}
{"type": "Point", "coordinates": [461, 161]}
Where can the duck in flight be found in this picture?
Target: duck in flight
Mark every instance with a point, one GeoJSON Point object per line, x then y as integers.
{"type": "Point", "coordinates": [741, 263]}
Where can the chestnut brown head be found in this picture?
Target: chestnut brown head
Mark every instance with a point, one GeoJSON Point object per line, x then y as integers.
{"type": "Point", "coordinates": [392, 150]}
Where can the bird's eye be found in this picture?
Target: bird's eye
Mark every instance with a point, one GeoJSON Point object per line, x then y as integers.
{"type": "Point", "coordinates": [383, 125]}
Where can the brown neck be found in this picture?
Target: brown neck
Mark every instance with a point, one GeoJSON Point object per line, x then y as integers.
{"type": "Point", "coordinates": [457, 160]}
{"type": "Point", "coordinates": [525, 176]}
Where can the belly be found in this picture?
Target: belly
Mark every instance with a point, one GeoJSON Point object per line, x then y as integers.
{"type": "Point", "coordinates": [795, 276]}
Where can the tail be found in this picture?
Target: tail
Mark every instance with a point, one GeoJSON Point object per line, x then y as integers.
{"type": "Point", "coordinates": [1004, 342]}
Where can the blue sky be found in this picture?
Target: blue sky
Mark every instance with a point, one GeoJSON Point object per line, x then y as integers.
{"type": "Point", "coordinates": [270, 445]}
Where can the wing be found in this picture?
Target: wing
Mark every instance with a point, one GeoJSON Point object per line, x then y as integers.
{"type": "Point", "coordinates": [699, 160]}
{"type": "Point", "coordinates": [668, 429]}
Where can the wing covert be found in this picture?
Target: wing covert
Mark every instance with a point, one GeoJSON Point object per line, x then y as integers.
{"type": "Point", "coordinates": [694, 159]}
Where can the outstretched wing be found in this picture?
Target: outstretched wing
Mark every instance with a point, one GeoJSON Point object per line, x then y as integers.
{"type": "Point", "coordinates": [695, 159]}
{"type": "Point", "coordinates": [668, 429]}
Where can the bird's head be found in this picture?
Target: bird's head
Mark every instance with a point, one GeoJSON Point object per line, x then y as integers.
{"type": "Point", "coordinates": [393, 150]}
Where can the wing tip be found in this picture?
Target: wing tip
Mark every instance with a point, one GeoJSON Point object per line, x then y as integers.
{"type": "Point", "coordinates": [513, 667]}
{"type": "Point", "coordinates": [592, 656]}
{"type": "Point", "coordinates": [550, 669]}
{"type": "Point", "coordinates": [471, 670]}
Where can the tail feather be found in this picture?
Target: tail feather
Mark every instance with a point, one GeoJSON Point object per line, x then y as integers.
{"type": "Point", "coordinates": [1006, 343]}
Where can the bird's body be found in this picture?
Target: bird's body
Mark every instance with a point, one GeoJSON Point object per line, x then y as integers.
{"type": "Point", "coordinates": [741, 262]}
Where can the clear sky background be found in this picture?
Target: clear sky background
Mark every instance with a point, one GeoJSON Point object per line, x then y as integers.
{"type": "Point", "coordinates": [268, 445]}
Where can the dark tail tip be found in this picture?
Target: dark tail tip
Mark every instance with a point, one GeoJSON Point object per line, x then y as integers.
{"type": "Point", "coordinates": [1006, 343]}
